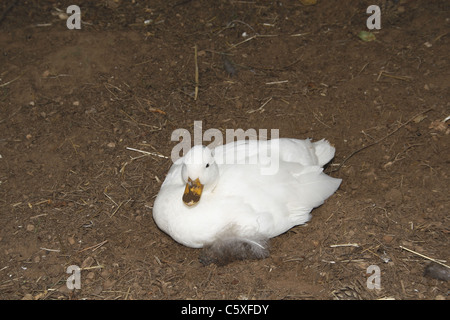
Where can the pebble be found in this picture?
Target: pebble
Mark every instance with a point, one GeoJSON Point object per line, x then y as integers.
{"type": "Point", "coordinates": [437, 271]}
{"type": "Point", "coordinates": [109, 284]}
{"type": "Point", "coordinates": [228, 66]}
{"type": "Point", "coordinates": [64, 289]}
{"type": "Point", "coordinates": [388, 238]}
{"type": "Point", "coordinates": [28, 296]}
{"type": "Point", "coordinates": [71, 240]}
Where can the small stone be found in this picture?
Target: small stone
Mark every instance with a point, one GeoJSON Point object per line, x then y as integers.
{"type": "Point", "coordinates": [64, 289]}
{"type": "Point", "coordinates": [98, 289]}
{"type": "Point", "coordinates": [109, 284]}
{"type": "Point", "coordinates": [71, 240]}
{"type": "Point", "coordinates": [105, 273]}
{"type": "Point", "coordinates": [28, 296]}
{"type": "Point", "coordinates": [111, 145]}
{"type": "Point", "coordinates": [30, 227]}
{"type": "Point", "coordinates": [437, 271]}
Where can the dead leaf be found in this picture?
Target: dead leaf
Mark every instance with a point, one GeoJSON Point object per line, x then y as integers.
{"type": "Point", "coordinates": [151, 109]}
{"type": "Point", "coordinates": [366, 36]}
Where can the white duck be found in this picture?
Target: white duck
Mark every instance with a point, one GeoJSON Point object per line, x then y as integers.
{"type": "Point", "coordinates": [235, 197]}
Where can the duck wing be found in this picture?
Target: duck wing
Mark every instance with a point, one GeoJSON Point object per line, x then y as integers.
{"type": "Point", "coordinates": [304, 152]}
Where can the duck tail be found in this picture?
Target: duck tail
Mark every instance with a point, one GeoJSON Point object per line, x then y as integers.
{"type": "Point", "coordinates": [324, 152]}
{"type": "Point", "coordinates": [226, 250]}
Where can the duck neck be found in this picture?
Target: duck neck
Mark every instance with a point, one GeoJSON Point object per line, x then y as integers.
{"type": "Point", "coordinates": [211, 187]}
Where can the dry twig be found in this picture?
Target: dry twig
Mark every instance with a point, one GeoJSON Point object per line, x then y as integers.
{"type": "Point", "coordinates": [425, 257]}
{"type": "Point", "coordinates": [148, 153]}
{"type": "Point", "coordinates": [196, 72]}
{"type": "Point", "coordinates": [261, 109]}
{"type": "Point", "coordinates": [384, 73]}
{"type": "Point", "coordinates": [94, 247]}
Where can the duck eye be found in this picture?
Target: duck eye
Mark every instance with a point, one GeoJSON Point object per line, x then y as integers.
{"type": "Point", "coordinates": [207, 165]}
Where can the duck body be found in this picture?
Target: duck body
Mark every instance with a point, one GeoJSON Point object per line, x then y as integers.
{"type": "Point", "coordinates": [251, 190]}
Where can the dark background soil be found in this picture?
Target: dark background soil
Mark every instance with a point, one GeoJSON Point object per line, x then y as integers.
{"type": "Point", "coordinates": [72, 101]}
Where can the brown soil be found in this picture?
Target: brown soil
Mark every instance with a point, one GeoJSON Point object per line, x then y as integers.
{"type": "Point", "coordinates": [72, 101]}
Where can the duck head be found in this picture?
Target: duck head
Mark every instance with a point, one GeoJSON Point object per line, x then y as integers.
{"type": "Point", "coordinates": [200, 173]}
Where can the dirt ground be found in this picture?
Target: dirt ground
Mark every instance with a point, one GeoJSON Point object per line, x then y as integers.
{"type": "Point", "coordinates": [72, 101]}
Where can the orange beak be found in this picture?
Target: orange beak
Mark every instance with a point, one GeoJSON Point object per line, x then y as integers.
{"type": "Point", "coordinates": [192, 192]}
